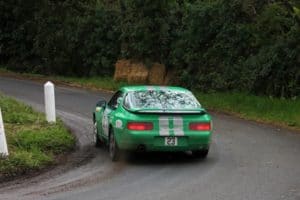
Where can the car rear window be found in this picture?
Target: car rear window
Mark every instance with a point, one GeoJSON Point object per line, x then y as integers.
{"type": "Point", "coordinates": [161, 99]}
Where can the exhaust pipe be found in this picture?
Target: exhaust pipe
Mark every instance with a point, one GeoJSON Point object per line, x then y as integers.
{"type": "Point", "coordinates": [141, 148]}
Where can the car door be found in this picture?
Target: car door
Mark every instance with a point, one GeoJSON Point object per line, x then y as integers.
{"type": "Point", "coordinates": [109, 112]}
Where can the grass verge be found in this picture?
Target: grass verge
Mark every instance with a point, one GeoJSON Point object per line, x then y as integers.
{"type": "Point", "coordinates": [97, 83]}
{"type": "Point", "coordinates": [281, 112]}
{"type": "Point", "coordinates": [33, 143]}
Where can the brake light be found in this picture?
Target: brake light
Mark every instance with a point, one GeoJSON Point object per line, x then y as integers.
{"type": "Point", "coordinates": [139, 126]}
{"type": "Point", "coordinates": [200, 126]}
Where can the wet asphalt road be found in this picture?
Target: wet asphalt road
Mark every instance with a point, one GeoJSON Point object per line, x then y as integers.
{"type": "Point", "coordinates": [247, 161]}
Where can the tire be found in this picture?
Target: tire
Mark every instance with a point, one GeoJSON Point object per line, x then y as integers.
{"type": "Point", "coordinates": [200, 153]}
{"type": "Point", "coordinates": [96, 139]}
{"type": "Point", "coordinates": [114, 151]}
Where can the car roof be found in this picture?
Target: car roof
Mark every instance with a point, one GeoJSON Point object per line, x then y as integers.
{"type": "Point", "coordinates": [152, 87]}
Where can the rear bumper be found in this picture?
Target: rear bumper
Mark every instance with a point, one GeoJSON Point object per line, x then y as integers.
{"type": "Point", "coordinates": [151, 141]}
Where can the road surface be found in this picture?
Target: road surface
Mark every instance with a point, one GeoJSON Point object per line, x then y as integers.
{"type": "Point", "coordinates": [247, 161]}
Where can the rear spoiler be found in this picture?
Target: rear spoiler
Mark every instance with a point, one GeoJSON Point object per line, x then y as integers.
{"type": "Point", "coordinates": [167, 112]}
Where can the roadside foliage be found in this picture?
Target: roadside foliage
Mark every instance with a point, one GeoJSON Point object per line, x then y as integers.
{"type": "Point", "coordinates": [249, 46]}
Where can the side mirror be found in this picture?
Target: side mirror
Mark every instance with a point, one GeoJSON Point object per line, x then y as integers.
{"type": "Point", "coordinates": [101, 103]}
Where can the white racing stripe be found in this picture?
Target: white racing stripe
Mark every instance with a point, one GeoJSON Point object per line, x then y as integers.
{"type": "Point", "coordinates": [178, 126]}
{"type": "Point", "coordinates": [164, 126]}
{"type": "Point", "coordinates": [164, 123]}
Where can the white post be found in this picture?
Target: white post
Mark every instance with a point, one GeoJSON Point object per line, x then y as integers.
{"type": "Point", "coordinates": [3, 143]}
{"type": "Point", "coordinates": [50, 102]}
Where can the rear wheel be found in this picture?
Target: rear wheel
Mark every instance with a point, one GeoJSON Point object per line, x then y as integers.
{"type": "Point", "coordinates": [200, 153]}
{"type": "Point", "coordinates": [97, 140]}
{"type": "Point", "coordinates": [114, 151]}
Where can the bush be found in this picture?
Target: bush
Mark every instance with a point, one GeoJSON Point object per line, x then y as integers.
{"type": "Point", "coordinates": [75, 38]}
{"type": "Point", "coordinates": [224, 48]}
{"type": "Point", "coordinates": [213, 45]}
{"type": "Point", "coordinates": [146, 29]}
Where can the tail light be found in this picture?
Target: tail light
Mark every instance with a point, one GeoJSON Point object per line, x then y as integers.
{"type": "Point", "coordinates": [139, 126]}
{"type": "Point", "coordinates": [200, 126]}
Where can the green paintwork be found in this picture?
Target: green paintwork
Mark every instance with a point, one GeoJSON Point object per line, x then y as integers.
{"type": "Point", "coordinates": [163, 124]}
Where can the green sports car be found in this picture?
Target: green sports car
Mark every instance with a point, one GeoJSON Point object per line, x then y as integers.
{"type": "Point", "coordinates": [152, 118]}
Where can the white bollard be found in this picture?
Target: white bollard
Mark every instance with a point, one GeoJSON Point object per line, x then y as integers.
{"type": "Point", "coordinates": [3, 143]}
{"type": "Point", "coordinates": [50, 102]}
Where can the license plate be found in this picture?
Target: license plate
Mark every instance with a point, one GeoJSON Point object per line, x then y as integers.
{"type": "Point", "coordinates": [171, 141]}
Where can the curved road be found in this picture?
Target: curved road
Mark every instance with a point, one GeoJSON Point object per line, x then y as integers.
{"type": "Point", "coordinates": [247, 161]}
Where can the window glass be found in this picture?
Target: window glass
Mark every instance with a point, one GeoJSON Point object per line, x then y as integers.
{"type": "Point", "coordinates": [161, 99]}
{"type": "Point", "coordinates": [114, 100]}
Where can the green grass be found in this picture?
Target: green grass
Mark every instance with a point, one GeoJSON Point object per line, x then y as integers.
{"type": "Point", "coordinates": [105, 83]}
{"type": "Point", "coordinates": [283, 112]}
{"type": "Point", "coordinates": [32, 142]}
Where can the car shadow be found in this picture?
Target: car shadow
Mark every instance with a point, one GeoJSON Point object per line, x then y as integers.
{"type": "Point", "coordinates": [164, 158]}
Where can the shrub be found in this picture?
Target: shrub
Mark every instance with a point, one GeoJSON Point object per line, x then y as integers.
{"type": "Point", "coordinates": [213, 45]}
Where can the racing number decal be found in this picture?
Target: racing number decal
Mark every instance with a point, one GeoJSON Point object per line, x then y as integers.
{"type": "Point", "coordinates": [119, 124]}
{"type": "Point", "coordinates": [171, 141]}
